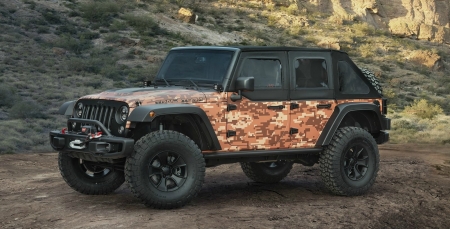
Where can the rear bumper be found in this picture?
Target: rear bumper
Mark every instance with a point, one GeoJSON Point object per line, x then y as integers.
{"type": "Point", "coordinates": [386, 123]}
{"type": "Point", "coordinates": [104, 147]}
{"type": "Point", "coordinates": [383, 137]}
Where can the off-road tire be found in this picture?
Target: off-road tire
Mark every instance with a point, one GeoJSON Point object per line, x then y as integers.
{"type": "Point", "coordinates": [351, 152]}
{"type": "Point", "coordinates": [267, 172]}
{"type": "Point", "coordinates": [373, 80]}
{"type": "Point", "coordinates": [166, 169]}
{"type": "Point", "coordinates": [87, 178]}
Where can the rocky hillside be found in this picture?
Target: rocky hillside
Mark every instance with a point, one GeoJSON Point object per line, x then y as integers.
{"type": "Point", "coordinates": [52, 51]}
{"type": "Point", "coordinates": [416, 19]}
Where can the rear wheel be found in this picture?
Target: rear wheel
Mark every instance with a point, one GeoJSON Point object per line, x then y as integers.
{"type": "Point", "coordinates": [267, 172]}
{"type": "Point", "coordinates": [166, 170]}
{"type": "Point", "coordinates": [87, 177]}
{"type": "Point", "coordinates": [350, 163]}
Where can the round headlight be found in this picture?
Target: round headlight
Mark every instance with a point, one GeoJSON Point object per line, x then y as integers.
{"type": "Point", "coordinates": [79, 110]}
{"type": "Point", "coordinates": [123, 113]}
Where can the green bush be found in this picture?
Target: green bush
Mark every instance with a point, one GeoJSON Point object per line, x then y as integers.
{"type": "Point", "coordinates": [8, 96]}
{"type": "Point", "coordinates": [89, 35]}
{"type": "Point", "coordinates": [51, 17]}
{"type": "Point", "coordinates": [113, 37]}
{"type": "Point", "coordinates": [68, 29]}
{"type": "Point", "coordinates": [100, 11]}
{"type": "Point", "coordinates": [422, 109]}
{"type": "Point", "coordinates": [144, 25]}
{"type": "Point", "coordinates": [72, 44]}
{"type": "Point", "coordinates": [26, 110]}
{"type": "Point", "coordinates": [117, 25]}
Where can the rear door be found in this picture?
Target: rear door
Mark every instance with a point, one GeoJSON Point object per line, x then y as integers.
{"type": "Point", "coordinates": [311, 96]}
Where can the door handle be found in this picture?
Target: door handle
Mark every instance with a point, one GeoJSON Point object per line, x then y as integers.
{"type": "Point", "coordinates": [280, 107]}
{"type": "Point", "coordinates": [323, 105]}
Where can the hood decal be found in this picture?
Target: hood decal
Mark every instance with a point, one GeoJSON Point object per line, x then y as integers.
{"type": "Point", "coordinates": [140, 96]}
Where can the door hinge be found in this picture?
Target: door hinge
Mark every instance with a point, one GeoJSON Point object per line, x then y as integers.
{"type": "Point", "coordinates": [294, 106]}
{"type": "Point", "coordinates": [231, 107]}
{"type": "Point", "coordinates": [231, 133]}
{"type": "Point", "coordinates": [293, 131]}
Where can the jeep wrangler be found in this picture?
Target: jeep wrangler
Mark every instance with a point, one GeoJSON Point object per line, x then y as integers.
{"type": "Point", "coordinates": [264, 107]}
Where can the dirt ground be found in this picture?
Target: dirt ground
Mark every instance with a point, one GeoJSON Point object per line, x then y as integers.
{"type": "Point", "coordinates": [411, 191]}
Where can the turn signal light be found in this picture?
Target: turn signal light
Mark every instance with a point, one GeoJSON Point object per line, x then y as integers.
{"type": "Point", "coordinates": [152, 114]}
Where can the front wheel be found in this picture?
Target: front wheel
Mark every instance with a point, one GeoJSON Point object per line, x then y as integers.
{"type": "Point", "coordinates": [350, 163]}
{"type": "Point", "coordinates": [166, 170]}
{"type": "Point", "coordinates": [87, 177]}
{"type": "Point", "coordinates": [267, 172]}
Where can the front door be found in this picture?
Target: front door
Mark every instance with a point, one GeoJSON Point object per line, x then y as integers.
{"type": "Point", "coordinates": [260, 120]}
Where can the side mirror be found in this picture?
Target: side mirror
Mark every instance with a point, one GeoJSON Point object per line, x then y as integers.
{"type": "Point", "coordinates": [243, 84]}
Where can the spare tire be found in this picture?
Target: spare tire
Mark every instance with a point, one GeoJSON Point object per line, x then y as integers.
{"type": "Point", "coordinates": [373, 80]}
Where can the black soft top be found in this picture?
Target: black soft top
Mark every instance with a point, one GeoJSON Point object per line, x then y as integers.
{"type": "Point", "coordinates": [258, 48]}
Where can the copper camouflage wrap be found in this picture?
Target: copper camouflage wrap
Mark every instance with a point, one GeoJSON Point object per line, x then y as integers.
{"type": "Point", "coordinates": [255, 125]}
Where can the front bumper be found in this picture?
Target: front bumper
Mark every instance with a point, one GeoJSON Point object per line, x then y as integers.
{"type": "Point", "coordinates": [107, 146]}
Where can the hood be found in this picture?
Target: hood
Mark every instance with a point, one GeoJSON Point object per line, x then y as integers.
{"type": "Point", "coordinates": [150, 95]}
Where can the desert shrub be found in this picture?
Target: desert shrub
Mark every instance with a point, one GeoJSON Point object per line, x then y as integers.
{"type": "Point", "coordinates": [72, 44]}
{"type": "Point", "coordinates": [51, 17]}
{"type": "Point", "coordinates": [26, 110]}
{"type": "Point", "coordinates": [89, 35]}
{"type": "Point", "coordinates": [406, 129]}
{"type": "Point", "coordinates": [8, 96]}
{"type": "Point", "coordinates": [43, 29]}
{"type": "Point", "coordinates": [75, 64]}
{"type": "Point", "coordinates": [367, 50]}
{"type": "Point", "coordinates": [272, 20]}
{"type": "Point", "coordinates": [144, 25]}
{"type": "Point", "coordinates": [363, 29]}
{"type": "Point", "coordinates": [423, 109]}
{"type": "Point", "coordinates": [117, 25]}
{"type": "Point", "coordinates": [385, 67]}
{"type": "Point", "coordinates": [291, 9]}
{"type": "Point", "coordinates": [36, 62]}
{"type": "Point", "coordinates": [100, 11]}
{"type": "Point", "coordinates": [24, 135]}
{"type": "Point", "coordinates": [67, 28]}
{"type": "Point", "coordinates": [113, 37]}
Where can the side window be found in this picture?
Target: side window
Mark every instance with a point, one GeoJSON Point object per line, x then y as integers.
{"type": "Point", "coordinates": [311, 73]}
{"type": "Point", "coordinates": [349, 81]}
{"type": "Point", "coordinates": [267, 72]}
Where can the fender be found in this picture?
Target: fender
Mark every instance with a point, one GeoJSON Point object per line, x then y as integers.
{"type": "Point", "coordinates": [67, 108]}
{"type": "Point", "coordinates": [338, 115]}
{"type": "Point", "coordinates": [141, 114]}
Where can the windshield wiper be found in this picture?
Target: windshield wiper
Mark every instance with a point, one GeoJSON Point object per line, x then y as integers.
{"type": "Point", "coordinates": [167, 83]}
{"type": "Point", "coordinates": [195, 85]}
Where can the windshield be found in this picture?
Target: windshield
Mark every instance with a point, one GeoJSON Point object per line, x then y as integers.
{"type": "Point", "coordinates": [201, 66]}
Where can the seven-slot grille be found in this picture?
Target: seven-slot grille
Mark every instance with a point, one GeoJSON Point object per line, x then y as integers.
{"type": "Point", "coordinates": [101, 113]}
{"type": "Point", "coordinates": [105, 111]}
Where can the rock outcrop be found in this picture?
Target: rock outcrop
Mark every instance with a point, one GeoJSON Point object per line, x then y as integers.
{"type": "Point", "coordinates": [417, 19]}
{"type": "Point", "coordinates": [187, 15]}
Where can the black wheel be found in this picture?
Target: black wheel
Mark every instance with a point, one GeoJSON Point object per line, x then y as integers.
{"type": "Point", "coordinates": [373, 80]}
{"type": "Point", "coordinates": [166, 170]}
{"type": "Point", "coordinates": [349, 165]}
{"type": "Point", "coordinates": [267, 172]}
{"type": "Point", "coordinates": [87, 177]}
